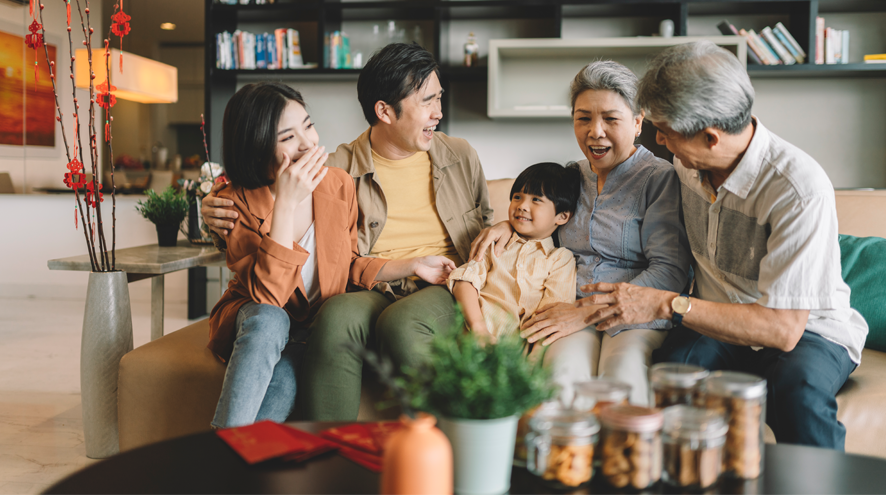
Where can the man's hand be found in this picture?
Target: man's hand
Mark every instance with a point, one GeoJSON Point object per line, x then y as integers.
{"type": "Point", "coordinates": [625, 304]}
{"type": "Point", "coordinates": [216, 211]}
{"type": "Point", "coordinates": [556, 321]}
{"type": "Point", "coordinates": [498, 234]}
{"type": "Point", "coordinates": [434, 269]}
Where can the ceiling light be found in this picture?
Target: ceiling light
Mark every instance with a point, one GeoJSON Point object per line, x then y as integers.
{"type": "Point", "coordinates": [167, 26]}
{"type": "Point", "coordinates": [143, 80]}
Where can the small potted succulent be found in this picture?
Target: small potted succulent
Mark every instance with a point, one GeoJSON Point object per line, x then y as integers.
{"type": "Point", "coordinates": [166, 210]}
{"type": "Point", "coordinates": [477, 391]}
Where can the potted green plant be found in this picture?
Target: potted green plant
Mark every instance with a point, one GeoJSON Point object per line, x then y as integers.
{"type": "Point", "coordinates": [166, 210]}
{"type": "Point", "coordinates": [478, 392]}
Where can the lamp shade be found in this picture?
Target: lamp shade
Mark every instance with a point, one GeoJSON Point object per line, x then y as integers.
{"type": "Point", "coordinates": [143, 80]}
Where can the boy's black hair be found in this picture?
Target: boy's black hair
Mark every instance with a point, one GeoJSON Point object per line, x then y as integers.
{"type": "Point", "coordinates": [249, 132]}
{"type": "Point", "coordinates": [391, 75]}
{"type": "Point", "coordinates": [561, 185]}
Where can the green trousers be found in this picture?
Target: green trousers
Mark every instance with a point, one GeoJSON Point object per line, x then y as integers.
{"type": "Point", "coordinates": [330, 377]}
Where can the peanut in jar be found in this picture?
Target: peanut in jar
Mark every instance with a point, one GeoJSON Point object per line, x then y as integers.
{"type": "Point", "coordinates": [693, 441]}
{"type": "Point", "coordinates": [560, 447]}
{"type": "Point", "coordinates": [674, 383]}
{"type": "Point", "coordinates": [741, 398]}
{"type": "Point", "coordinates": [598, 393]}
{"type": "Point", "coordinates": [630, 446]}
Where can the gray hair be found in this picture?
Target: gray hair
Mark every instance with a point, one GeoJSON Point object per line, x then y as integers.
{"type": "Point", "coordinates": [606, 75]}
{"type": "Point", "coordinates": [697, 85]}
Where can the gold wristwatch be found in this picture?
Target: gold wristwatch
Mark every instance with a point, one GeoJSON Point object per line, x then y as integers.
{"type": "Point", "coordinates": [681, 305]}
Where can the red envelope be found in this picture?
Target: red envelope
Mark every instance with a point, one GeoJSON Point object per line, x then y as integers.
{"type": "Point", "coordinates": [381, 431]}
{"type": "Point", "coordinates": [266, 440]}
{"type": "Point", "coordinates": [356, 436]}
{"type": "Point", "coordinates": [369, 461]}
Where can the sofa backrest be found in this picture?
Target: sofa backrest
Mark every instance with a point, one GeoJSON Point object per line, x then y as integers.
{"type": "Point", "coordinates": [860, 213]}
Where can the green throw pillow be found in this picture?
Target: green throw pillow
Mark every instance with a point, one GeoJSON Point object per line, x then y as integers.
{"type": "Point", "coordinates": [864, 269]}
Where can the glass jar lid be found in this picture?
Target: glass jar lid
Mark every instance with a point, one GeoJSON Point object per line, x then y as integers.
{"type": "Point", "coordinates": [676, 374]}
{"type": "Point", "coordinates": [632, 418]}
{"type": "Point", "coordinates": [564, 423]}
{"type": "Point", "coordinates": [735, 384]}
{"type": "Point", "coordinates": [600, 390]}
{"type": "Point", "coordinates": [693, 423]}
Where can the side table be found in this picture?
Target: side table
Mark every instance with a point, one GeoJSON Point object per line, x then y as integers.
{"type": "Point", "coordinates": [100, 354]}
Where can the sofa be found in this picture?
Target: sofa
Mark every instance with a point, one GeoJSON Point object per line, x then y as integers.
{"type": "Point", "coordinates": [169, 387]}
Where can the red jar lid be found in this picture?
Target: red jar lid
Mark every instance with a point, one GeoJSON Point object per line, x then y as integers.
{"type": "Point", "coordinates": [632, 418]}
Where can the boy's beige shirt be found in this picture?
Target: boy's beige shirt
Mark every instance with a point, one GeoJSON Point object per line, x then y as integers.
{"type": "Point", "coordinates": [529, 275]}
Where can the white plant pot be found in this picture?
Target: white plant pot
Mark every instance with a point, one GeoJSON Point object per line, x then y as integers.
{"type": "Point", "coordinates": [482, 452]}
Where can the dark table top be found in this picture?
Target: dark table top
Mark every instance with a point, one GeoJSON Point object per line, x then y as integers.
{"type": "Point", "coordinates": [203, 463]}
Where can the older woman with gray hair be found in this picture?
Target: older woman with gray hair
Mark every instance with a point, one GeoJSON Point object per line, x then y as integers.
{"type": "Point", "coordinates": [627, 228]}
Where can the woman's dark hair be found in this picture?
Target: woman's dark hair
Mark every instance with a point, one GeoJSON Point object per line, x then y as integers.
{"type": "Point", "coordinates": [249, 132]}
{"type": "Point", "coordinates": [561, 185]}
{"type": "Point", "coordinates": [391, 75]}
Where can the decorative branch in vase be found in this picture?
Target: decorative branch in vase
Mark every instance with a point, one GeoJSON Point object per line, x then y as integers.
{"type": "Point", "coordinates": [210, 173]}
{"type": "Point", "coordinates": [87, 212]}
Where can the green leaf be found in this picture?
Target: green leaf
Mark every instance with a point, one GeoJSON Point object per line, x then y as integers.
{"type": "Point", "coordinates": [164, 208]}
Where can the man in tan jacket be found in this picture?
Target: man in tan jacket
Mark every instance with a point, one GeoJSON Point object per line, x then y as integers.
{"type": "Point", "coordinates": [420, 192]}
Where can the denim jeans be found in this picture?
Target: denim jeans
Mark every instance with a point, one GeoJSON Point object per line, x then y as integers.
{"type": "Point", "coordinates": [260, 378]}
{"type": "Point", "coordinates": [801, 404]}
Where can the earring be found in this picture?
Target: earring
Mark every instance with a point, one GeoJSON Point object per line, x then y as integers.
{"type": "Point", "coordinates": [638, 134]}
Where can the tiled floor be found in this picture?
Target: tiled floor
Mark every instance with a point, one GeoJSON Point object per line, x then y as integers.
{"type": "Point", "coordinates": [41, 434]}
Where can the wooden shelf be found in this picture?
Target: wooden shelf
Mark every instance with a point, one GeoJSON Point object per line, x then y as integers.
{"type": "Point", "coordinates": [812, 70]}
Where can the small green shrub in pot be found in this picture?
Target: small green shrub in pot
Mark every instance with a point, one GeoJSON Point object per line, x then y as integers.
{"type": "Point", "coordinates": [166, 211]}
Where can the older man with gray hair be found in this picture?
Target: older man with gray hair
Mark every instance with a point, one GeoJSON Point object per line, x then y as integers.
{"type": "Point", "coordinates": [762, 224]}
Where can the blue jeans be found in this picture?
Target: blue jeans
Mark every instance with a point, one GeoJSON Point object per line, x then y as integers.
{"type": "Point", "coordinates": [801, 404]}
{"type": "Point", "coordinates": [260, 378]}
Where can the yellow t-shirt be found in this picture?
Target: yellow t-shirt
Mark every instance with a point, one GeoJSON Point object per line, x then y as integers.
{"type": "Point", "coordinates": [413, 226]}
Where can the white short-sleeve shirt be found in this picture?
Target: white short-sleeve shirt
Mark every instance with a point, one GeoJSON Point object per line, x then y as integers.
{"type": "Point", "coordinates": [769, 236]}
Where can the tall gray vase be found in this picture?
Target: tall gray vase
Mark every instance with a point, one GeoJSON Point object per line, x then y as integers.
{"type": "Point", "coordinates": [107, 336]}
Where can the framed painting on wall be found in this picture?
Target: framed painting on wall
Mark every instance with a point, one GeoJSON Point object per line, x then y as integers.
{"type": "Point", "coordinates": [27, 104]}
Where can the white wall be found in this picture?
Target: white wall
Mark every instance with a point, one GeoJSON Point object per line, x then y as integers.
{"type": "Point", "coordinates": [32, 168]}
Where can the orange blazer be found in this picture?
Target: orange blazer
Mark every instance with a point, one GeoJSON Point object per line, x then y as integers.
{"type": "Point", "coordinates": [269, 273]}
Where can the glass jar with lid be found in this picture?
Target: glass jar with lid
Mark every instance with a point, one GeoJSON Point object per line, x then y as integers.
{"type": "Point", "coordinates": [674, 383]}
{"type": "Point", "coordinates": [741, 398]}
{"type": "Point", "coordinates": [693, 441]}
{"type": "Point", "coordinates": [630, 446]}
{"type": "Point", "coordinates": [598, 393]}
{"type": "Point", "coordinates": [560, 446]}
{"type": "Point", "coordinates": [523, 429]}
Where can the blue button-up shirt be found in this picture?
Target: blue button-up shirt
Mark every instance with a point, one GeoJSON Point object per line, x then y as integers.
{"type": "Point", "coordinates": [632, 231]}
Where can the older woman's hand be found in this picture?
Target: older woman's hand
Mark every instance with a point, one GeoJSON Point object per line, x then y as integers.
{"type": "Point", "coordinates": [498, 234]}
{"type": "Point", "coordinates": [625, 304]}
{"type": "Point", "coordinates": [556, 321]}
{"type": "Point", "coordinates": [216, 212]}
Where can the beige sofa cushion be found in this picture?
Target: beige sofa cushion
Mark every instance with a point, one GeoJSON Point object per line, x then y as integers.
{"type": "Point", "coordinates": [861, 406]}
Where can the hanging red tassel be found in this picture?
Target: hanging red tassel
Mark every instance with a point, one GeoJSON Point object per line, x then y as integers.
{"type": "Point", "coordinates": [32, 8]}
{"type": "Point", "coordinates": [75, 217]}
{"type": "Point", "coordinates": [68, 8]}
{"type": "Point", "coordinates": [120, 27]}
{"type": "Point", "coordinates": [35, 41]}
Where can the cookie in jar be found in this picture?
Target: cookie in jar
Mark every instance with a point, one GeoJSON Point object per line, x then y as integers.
{"type": "Point", "coordinates": [693, 440]}
{"type": "Point", "coordinates": [598, 393]}
{"type": "Point", "coordinates": [630, 446]}
{"type": "Point", "coordinates": [523, 429]}
{"type": "Point", "coordinates": [560, 447]}
{"type": "Point", "coordinates": [674, 383]}
{"type": "Point", "coordinates": [741, 398]}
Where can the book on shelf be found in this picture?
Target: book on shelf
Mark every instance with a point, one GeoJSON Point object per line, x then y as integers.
{"type": "Point", "coordinates": [780, 28]}
{"type": "Point", "coordinates": [773, 57]}
{"type": "Point", "coordinates": [832, 46]}
{"type": "Point", "coordinates": [875, 58]}
{"type": "Point", "coordinates": [819, 40]}
{"type": "Point", "coordinates": [729, 30]}
{"type": "Point", "coordinates": [776, 45]}
{"type": "Point", "coordinates": [787, 44]}
{"type": "Point", "coordinates": [845, 47]}
{"type": "Point", "coordinates": [248, 51]}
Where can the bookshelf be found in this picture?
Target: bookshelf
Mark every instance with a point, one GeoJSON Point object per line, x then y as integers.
{"type": "Point", "coordinates": [445, 23]}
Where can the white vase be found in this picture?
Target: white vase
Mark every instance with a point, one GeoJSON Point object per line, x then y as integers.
{"type": "Point", "coordinates": [482, 452]}
{"type": "Point", "coordinates": [107, 336]}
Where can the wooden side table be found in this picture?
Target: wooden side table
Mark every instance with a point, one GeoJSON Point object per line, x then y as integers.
{"type": "Point", "coordinates": [102, 347]}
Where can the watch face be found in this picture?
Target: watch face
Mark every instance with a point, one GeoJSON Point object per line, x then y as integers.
{"type": "Point", "coordinates": [680, 305]}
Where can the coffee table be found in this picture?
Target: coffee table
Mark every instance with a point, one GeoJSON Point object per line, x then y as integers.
{"type": "Point", "coordinates": [202, 463]}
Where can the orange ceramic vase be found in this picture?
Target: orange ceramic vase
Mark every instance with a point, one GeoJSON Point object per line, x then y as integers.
{"type": "Point", "coordinates": [417, 459]}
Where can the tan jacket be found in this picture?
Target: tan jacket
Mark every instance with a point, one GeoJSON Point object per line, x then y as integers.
{"type": "Point", "coordinates": [459, 188]}
{"type": "Point", "coordinates": [269, 273]}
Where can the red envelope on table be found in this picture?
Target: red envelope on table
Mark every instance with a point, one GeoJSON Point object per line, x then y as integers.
{"type": "Point", "coordinates": [381, 431]}
{"type": "Point", "coordinates": [355, 436]}
{"type": "Point", "coordinates": [369, 461]}
{"type": "Point", "coordinates": [266, 440]}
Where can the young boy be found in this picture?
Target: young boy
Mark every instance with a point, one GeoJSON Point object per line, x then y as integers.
{"type": "Point", "coordinates": [499, 294]}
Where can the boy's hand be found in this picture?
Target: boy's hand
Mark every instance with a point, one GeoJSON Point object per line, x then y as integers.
{"type": "Point", "coordinates": [216, 211]}
{"type": "Point", "coordinates": [498, 234]}
{"type": "Point", "coordinates": [555, 321]}
{"type": "Point", "coordinates": [434, 269]}
{"type": "Point", "coordinates": [482, 334]}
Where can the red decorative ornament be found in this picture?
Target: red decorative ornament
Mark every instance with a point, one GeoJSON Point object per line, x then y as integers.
{"type": "Point", "coordinates": [31, 6]}
{"type": "Point", "coordinates": [90, 194]}
{"type": "Point", "coordinates": [68, 9]}
{"type": "Point", "coordinates": [75, 178]}
{"type": "Point", "coordinates": [106, 99]}
{"type": "Point", "coordinates": [121, 28]}
{"type": "Point", "coordinates": [35, 41]}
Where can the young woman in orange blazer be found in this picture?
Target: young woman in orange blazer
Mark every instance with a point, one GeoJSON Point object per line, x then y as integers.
{"type": "Point", "coordinates": [296, 246]}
